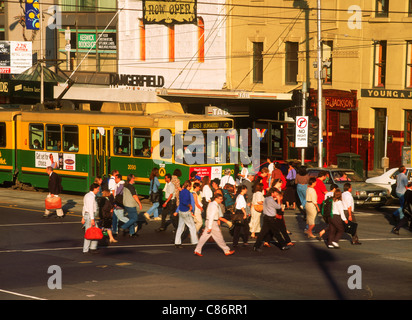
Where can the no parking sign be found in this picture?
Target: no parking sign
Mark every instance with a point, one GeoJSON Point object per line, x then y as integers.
{"type": "Point", "coordinates": [302, 126]}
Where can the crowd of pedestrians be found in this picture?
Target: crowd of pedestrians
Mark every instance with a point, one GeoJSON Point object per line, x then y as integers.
{"type": "Point", "coordinates": [251, 204]}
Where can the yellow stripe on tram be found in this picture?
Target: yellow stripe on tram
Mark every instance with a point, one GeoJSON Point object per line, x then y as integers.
{"type": "Point", "coordinates": [63, 172]}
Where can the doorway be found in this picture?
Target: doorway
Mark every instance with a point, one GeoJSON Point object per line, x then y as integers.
{"type": "Point", "coordinates": [379, 141]}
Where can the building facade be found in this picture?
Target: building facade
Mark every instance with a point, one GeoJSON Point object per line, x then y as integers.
{"type": "Point", "coordinates": [244, 58]}
{"type": "Point", "coordinates": [366, 62]}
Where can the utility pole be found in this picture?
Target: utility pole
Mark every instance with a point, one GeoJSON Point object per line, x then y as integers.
{"type": "Point", "coordinates": [320, 65]}
{"type": "Point", "coordinates": [304, 89]}
{"type": "Point", "coordinates": [41, 53]}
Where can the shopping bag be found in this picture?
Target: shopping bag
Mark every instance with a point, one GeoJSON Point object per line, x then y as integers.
{"type": "Point", "coordinates": [93, 233]}
{"type": "Point", "coordinates": [53, 203]}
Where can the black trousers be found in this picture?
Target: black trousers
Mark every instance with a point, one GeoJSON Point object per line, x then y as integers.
{"type": "Point", "coordinates": [169, 209]}
{"type": "Point", "coordinates": [273, 226]}
{"type": "Point", "coordinates": [240, 229]}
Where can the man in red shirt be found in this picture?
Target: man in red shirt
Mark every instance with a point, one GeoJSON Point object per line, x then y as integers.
{"type": "Point", "coordinates": [320, 187]}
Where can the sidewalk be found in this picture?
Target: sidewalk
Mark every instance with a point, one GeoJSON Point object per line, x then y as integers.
{"type": "Point", "coordinates": [72, 203]}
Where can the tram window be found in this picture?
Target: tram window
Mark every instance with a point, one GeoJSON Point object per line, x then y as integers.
{"type": "Point", "coordinates": [53, 137]}
{"type": "Point", "coordinates": [142, 142]}
{"type": "Point", "coordinates": [2, 134]}
{"type": "Point", "coordinates": [71, 138]}
{"type": "Point", "coordinates": [36, 136]}
{"type": "Point", "coordinates": [122, 141]}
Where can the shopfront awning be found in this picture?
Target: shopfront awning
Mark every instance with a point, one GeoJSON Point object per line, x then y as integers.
{"type": "Point", "coordinates": [222, 94]}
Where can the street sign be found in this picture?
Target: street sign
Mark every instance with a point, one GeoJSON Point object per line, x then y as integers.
{"type": "Point", "coordinates": [301, 137]}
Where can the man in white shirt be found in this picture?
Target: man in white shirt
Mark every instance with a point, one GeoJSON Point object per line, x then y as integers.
{"type": "Point", "coordinates": [118, 209]}
{"type": "Point", "coordinates": [212, 229]}
{"type": "Point", "coordinates": [112, 182]}
{"type": "Point", "coordinates": [89, 210]}
{"type": "Point", "coordinates": [227, 178]}
{"type": "Point", "coordinates": [349, 208]}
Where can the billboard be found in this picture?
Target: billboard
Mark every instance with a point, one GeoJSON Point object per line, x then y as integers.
{"type": "Point", "coordinates": [15, 56]}
{"type": "Point", "coordinates": [169, 11]}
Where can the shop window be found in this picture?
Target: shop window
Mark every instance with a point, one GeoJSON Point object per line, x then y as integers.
{"type": "Point", "coordinates": [292, 62]}
{"type": "Point", "coordinates": [344, 120]}
{"type": "Point", "coordinates": [408, 128]}
{"type": "Point", "coordinates": [408, 73]}
{"type": "Point", "coordinates": [142, 143]}
{"type": "Point", "coordinates": [171, 30]}
{"type": "Point", "coordinates": [327, 47]}
{"type": "Point", "coordinates": [257, 62]}
{"type": "Point", "coordinates": [102, 56]}
{"type": "Point", "coordinates": [122, 141]}
{"type": "Point", "coordinates": [36, 136]}
{"type": "Point", "coordinates": [382, 8]}
{"type": "Point", "coordinates": [87, 5]}
{"type": "Point", "coordinates": [201, 40]}
{"type": "Point", "coordinates": [379, 63]}
{"type": "Point", "coordinates": [2, 134]}
{"type": "Point", "coordinates": [142, 40]}
{"type": "Point", "coordinates": [70, 138]}
{"type": "Point", "coordinates": [53, 137]}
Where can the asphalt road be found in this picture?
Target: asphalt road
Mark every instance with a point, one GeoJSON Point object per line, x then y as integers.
{"type": "Point", "coordinates": [149, 267]}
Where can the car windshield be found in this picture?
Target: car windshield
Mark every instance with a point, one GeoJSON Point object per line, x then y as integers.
{"type": "Point", "coordinates": [346, 176]}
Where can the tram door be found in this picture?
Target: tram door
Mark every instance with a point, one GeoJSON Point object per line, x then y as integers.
{"type": "Point", "coordinates": [99, 151]}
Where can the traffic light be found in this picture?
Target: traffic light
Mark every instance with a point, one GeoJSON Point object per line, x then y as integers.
{"type": "Point", "coordinates": [291, 134]}
{"type": "Point", "coordinates": [313, 132]}
{"type": "Point", "coordinates": [297, 98]}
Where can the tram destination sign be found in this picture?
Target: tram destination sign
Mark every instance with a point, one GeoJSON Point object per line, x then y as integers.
{"type": "Point", "coordinates": [169, 11]}
{"type": "Point", "coordinates": [203, 125]}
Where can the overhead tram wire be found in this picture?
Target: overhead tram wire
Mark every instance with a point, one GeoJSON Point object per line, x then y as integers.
{"type": "Point", "coordinates": [283, 41]}
{"type": "Point", "coordinates": [108, 9]}
{"type": "Point", "coordinates": [268, 50]}
{"type": "Point", "coordinates": [210, 34]}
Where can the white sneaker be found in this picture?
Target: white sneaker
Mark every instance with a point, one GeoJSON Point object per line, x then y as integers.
{"type": "Point", "coordinates": [335, 244]}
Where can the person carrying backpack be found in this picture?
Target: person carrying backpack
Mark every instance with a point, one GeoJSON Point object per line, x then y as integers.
{"type": "Point", "coordinates": [336, 227]}
{"type": "Point", "coordinates": [326, 211]}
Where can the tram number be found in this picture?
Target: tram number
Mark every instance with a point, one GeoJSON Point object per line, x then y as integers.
{"type": "Point", "coordinates": [4, 87]}
{"type": "Point", "coordinates": [131, 167]}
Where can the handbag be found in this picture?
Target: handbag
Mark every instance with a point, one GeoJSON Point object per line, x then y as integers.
{"type": "Point", "coordinates": [93, 233]}
{"type": "Point", "coordinates": [258, 207]}
{"type": "Point", "coordinates": [53, 203]}
{"type": "Point", "coordinates": [350, 227]}
{"type": "Point", "coordinates": [154, 196]}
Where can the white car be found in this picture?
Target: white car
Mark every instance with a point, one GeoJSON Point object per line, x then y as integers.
{"type": "Point", "coordinates": [388, 179]}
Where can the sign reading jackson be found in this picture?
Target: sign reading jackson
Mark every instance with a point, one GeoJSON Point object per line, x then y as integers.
{"type": "Point", "coordinates": [169, 11]}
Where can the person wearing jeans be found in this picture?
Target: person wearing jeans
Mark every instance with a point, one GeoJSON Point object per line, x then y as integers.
{"type": "Point", "coordinates": [401, 185]}
{"type": "Point", "coordinates": [88, 212]}
{"type": "Point", "coordinates": [185, 215]}
{"type": "Point", "coordinates": [130, 202]}
{"type": "Point", "coordinates": [154, 188]}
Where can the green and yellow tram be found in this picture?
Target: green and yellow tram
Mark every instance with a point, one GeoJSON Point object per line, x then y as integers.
{"type": "Point", "coordinates": [83, 144]}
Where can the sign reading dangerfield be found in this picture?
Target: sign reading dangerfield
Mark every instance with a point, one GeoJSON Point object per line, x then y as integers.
{"type": "Point", "coordinates": [169, 12]}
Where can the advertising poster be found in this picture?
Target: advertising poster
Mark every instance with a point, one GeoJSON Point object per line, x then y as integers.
{"type": "Point", "coordinates": [56, 160]}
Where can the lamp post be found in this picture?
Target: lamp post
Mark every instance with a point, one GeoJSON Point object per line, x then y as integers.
{"type": "Point", "coordinates": [320, 65]}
